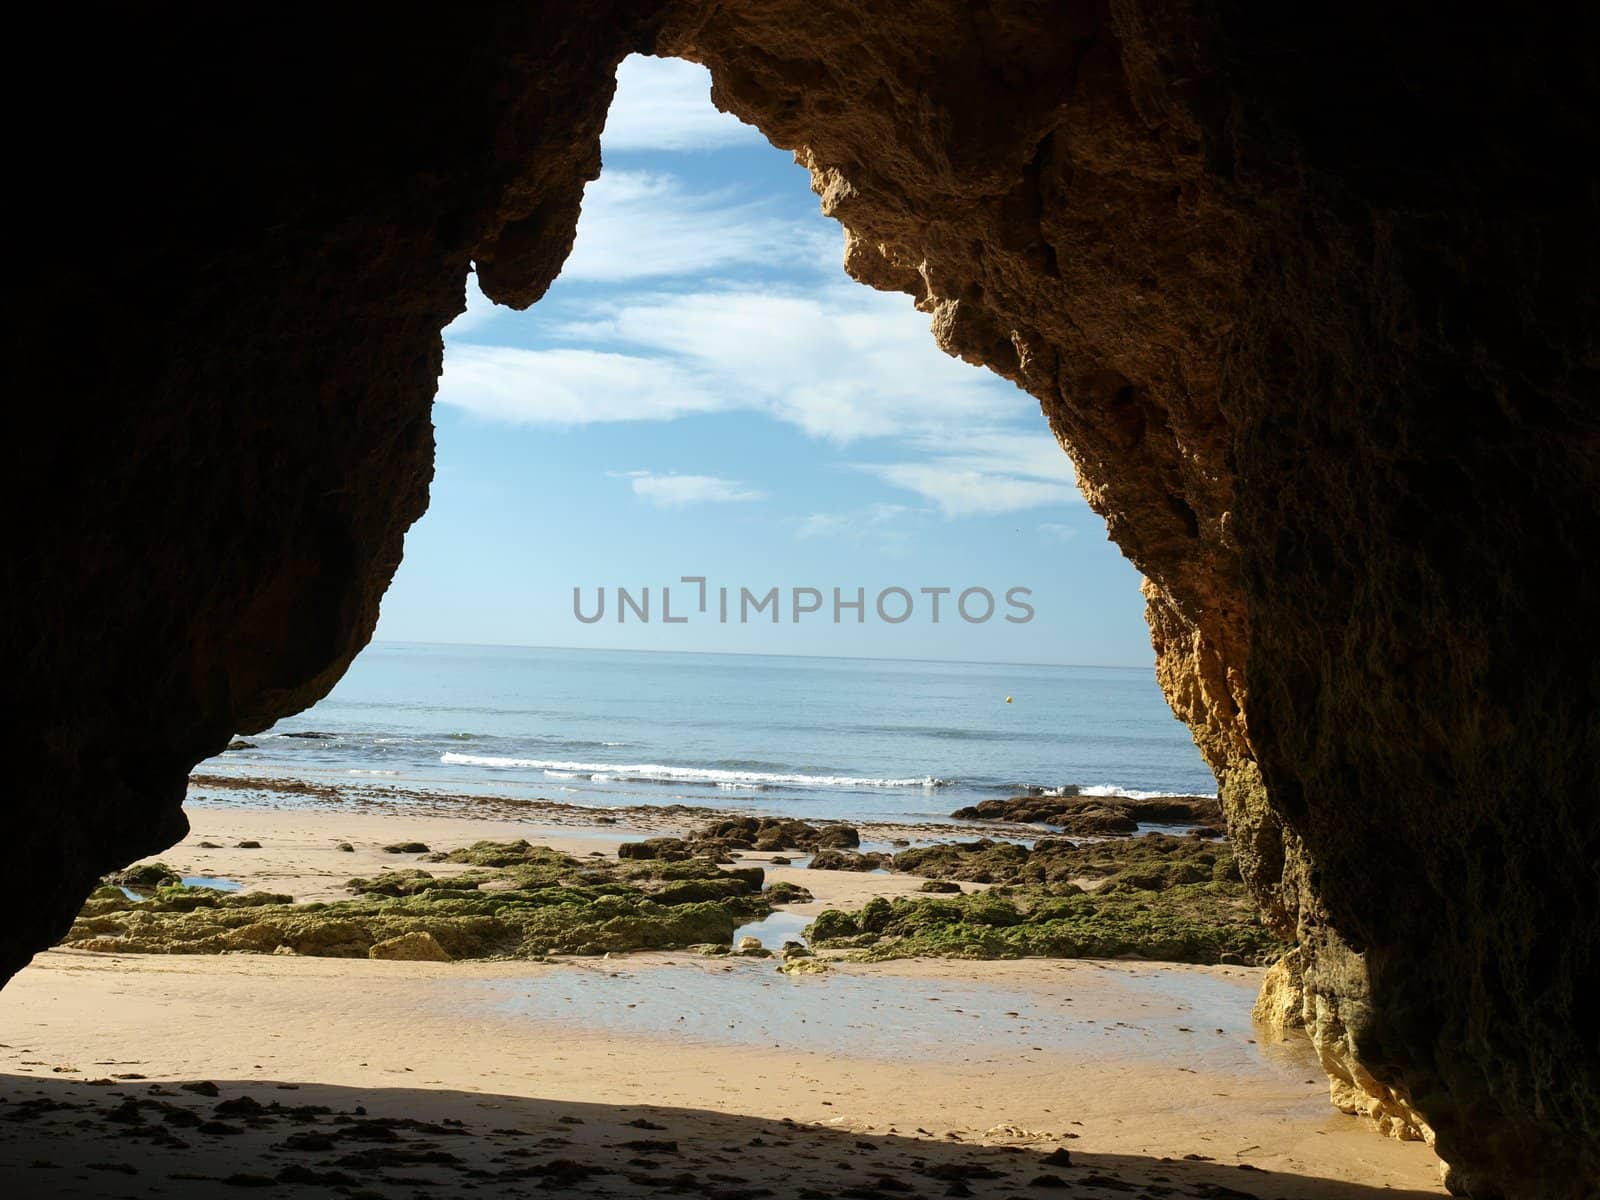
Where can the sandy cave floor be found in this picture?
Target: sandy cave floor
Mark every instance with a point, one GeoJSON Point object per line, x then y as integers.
{"type": "Point", "coordinates": [648, 1074]}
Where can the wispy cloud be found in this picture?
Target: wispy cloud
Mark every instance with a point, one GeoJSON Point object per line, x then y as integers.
{"type": "Point", "coordinates": [679, 491]}
{"type": "Point", "coordinates": [664, 104]}
{"type": "Point", "coordinates": [874, 516]}
{"type": "Point", "coordinates": [985, 472]}
{"type": "Point", "coordinates": [1053, 531]}
{"type": "Point", "coordinates": [961, 491]}
{"type": "Point", "coordinates": [882, 526]}
{"type": "Point", "coordinates": [651, 225]}
{"type": "Point", "coordinates": [569, 386]}
{"type": "Point", "coordinates": [1032, 454]}
{"type": "Point", "coordinates": [839, 361]}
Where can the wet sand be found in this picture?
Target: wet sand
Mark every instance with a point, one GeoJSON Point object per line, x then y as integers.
{"type": "Point", "coordinates": [915, 1078]}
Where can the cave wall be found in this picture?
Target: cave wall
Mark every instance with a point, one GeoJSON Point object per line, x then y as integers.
{"type": "Point", "coordinates": [1306, 291]}
{"type": "Point", "coordinates": [222, 338]}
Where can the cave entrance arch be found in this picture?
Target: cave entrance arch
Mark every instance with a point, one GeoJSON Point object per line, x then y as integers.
{"type": "Point", "coordinates": [1280, 284]}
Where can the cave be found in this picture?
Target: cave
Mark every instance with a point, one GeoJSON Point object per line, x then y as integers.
{"type": "Point", "coordinates": [1306, 292]}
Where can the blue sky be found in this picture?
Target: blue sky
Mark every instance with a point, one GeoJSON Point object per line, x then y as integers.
{"type": "Point", "coordinates": [704, 392]}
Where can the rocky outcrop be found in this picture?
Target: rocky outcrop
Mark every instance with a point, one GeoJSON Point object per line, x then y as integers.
{"type": "Point", "coordinates": [1306, 291]}
{"type": "Point", "coordinates": [1097, 814]}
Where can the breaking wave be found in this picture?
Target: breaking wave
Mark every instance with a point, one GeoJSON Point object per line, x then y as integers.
{"type": "Point", "coordinates": [658, 773]}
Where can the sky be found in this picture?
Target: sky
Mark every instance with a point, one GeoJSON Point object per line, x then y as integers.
{"type": "Point", "coordinates": [704, 393]}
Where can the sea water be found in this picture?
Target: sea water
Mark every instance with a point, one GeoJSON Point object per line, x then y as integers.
{"type": "Point", "coordinates": [821, 737]}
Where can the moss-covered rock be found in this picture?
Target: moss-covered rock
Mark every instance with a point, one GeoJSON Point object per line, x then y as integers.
{"type": "Point", "coordinates": [771, 833]}
{"type": "Point", "coordinates": [784, 892]}
{"type": "Point", "coordinates": [831, 926]}
{"type": "Point", "coordinates": [1149, 863]}
{"type": "Point", "coordinates": [693, 891]}
{"type": "Point", "coordinates": [803, 966]}
{"type": "Point", "coordinates": [1098, 814]}
{"type": "Point", "coordinates": [668, 848]}
{"type": "Point", "coordinates": [541, 902]}
{"type": "Point", "coordinates": [143, 876]}
{"type": "Point", "coordinates": [1201, 922]}
{"type": "Point", "coordinates": [416, 946]}
{"type": "Point", "coordinates": [845, 860]}
{"type": "Point", "coordinates": [407, 881]}
{"type": "Point", "coordinates": [503, 854]}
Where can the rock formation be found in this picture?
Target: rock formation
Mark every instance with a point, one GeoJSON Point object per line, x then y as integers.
{"type": "Point", "coordinates": [1307, 291]}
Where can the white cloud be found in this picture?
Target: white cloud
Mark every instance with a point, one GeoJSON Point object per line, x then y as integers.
{"type": "Point", "coordinates": [664, 104]}
{"type": "Point", "coordinates": [960, 491]}
{"type": "Point", "coordinates": [840, 361]}
{"type": "Point", "coordinates": [678, 491]}
{"type": "Point", "coordinates": [568, 387]}
{"type": "Point", "coordinates": [1055, 532]}
{"type": "Point", "coordinates": [851, 524]}
{"type": "Point", "coordinates": [651, 225]}
{"type": "Point", "coordinates": [822, 525]}
{"type": "Point", "coordinates": [986, 471]}
{"type": "Point", "coordinates": [881, 526]}
{"type": "Point", "coordinates": [1034, 454]}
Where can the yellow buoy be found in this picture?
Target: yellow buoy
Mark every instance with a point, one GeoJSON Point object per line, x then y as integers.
{"type": "Point", "coordinates": [1008, 699]}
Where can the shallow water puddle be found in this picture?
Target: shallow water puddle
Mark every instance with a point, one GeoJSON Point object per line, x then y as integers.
{"type": "Point", "coordinates": [774, 931]}
{"type": "Point", "coordinates": [215, 882]}
{"type": "Point", "coordinates": [1190, 1020]}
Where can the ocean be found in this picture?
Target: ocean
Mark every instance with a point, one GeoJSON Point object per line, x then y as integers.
{"type": "Point", "coordinates": [851, 738]}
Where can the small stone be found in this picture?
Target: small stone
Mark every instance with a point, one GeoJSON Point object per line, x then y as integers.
{"type": "Point", "coordinates": [804, 966]}
{"type": "Point", "coordinates": [416, 946]}
{"type": "Point", "coordinates": [751, 947]}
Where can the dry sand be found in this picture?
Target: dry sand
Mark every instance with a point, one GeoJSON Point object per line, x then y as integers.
{"type": "Point", "coordinates": [668, 1073]}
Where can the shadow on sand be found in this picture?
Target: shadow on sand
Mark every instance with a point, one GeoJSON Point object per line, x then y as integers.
{"type": "Point", "coordinates": [134, 1138]}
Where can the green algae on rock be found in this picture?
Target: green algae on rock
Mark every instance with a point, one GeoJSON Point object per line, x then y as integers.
{"type": "Point", "coordinates": [847, 860]}
{"type": "Point", "coordinates": [534, 903]}
{"type": "Point", "coordinates": [1200, 922]}
{"type": "Point", "coordinates": [143, 876]}
{"type": "Point", "coordinates": [771, 833]}
{"type": "Point", "coordinates": [784, 892]}
{"type": "Point", "coordinates": [1144, 863]}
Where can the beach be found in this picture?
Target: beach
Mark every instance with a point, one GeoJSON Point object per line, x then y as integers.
{"type": "Point", "coordinates": [920, 1076]}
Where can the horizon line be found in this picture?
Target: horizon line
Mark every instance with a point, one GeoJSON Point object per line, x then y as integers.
{"type": "Point", "coordinates": [959, 662]}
